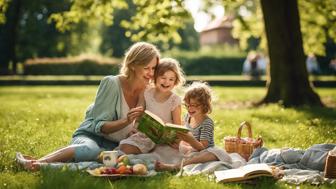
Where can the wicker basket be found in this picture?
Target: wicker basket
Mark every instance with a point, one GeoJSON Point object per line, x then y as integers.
{"type": "Point", "coordinates": [330, 166]}
{"type": "Point", "coordinates": [242, 146]}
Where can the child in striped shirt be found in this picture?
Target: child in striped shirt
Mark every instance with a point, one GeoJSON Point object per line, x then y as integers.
{"type": "Point", "coordinates": [197, 146]}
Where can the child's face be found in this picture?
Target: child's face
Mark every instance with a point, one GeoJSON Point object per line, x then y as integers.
{"type": "Point", "coordinates": [166, 82]}
{"type": "Point", "coordinates": [194, 108]}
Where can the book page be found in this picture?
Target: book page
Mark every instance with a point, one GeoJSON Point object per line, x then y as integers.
{"type": "Point", "coordinates": [257, 168]}
{"type": "Point", "coordinates": [229, 175]}
{"type": "Point", "coordinates": [178, 127]}
{"type": "Point", "coordinates": [243, 173]}
{"type": "Point", "coordinates": [157, 118]}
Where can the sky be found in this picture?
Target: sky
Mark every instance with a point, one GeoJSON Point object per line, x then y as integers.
{"type": "Point", "coordinates": [201, 18]}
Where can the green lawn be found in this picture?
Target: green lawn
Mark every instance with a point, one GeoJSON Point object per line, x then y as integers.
{"type": "Point", "coordinates": [37, 120]}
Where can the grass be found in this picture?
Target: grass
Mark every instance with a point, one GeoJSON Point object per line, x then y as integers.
{"type": "Point", "coordinates": [36, 120]}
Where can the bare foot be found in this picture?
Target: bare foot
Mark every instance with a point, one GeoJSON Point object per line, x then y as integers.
{"type": "Point", "coordinates": [27, 162]}
{"type": "Point", "coordinates": [165, 167]}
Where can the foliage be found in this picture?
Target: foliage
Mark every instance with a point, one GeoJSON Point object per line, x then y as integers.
{"type": "Point", "coordinates": [37, 37]}
{"type": "Point", "coordinates": [87, 11]}
{"type": "Point", "coordinates": [315, 29]}
{"type": "Point", "coordinates": [3, 8]}
{"type": "Point", "coordinates": [170, 17]}
{"type": "Point", "coordinates": [115, 42]}
{"type": "Point", "coordinates": [47, 117]}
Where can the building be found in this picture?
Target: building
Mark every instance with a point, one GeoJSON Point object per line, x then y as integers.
{"type": "Point", "coordinates": [218, 32]}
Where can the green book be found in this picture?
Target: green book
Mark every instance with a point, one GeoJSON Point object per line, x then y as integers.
{"type": "Point", "coordinates": [158, 131]}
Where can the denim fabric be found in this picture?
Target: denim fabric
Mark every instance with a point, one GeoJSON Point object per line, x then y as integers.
{"type": "Point", "coordinates": [87, 148]}
{"type": "Point", "coordinates": [289, 158]}
{"type": "Point", "coordinates": [315, 157]}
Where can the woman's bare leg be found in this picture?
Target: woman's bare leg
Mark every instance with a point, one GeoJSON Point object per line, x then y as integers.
{"type": "Point", "coordinates": [61, 155]}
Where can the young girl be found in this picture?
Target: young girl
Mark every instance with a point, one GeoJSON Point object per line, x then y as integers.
{"type": "Point", "coordinates": [161, 101]}
{"type": "Point", "coordinates": [201, 139]}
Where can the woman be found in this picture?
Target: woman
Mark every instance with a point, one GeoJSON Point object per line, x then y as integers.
{"type": "Point", "coordinates": [109, 119]}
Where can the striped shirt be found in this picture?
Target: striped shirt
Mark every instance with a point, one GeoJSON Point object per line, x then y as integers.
{"type": "Point", "coordinates": [204, 131]}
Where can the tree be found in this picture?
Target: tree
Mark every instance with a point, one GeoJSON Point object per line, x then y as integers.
{"type": "Point", "coordinates": [28, 33]}
{"type": "Point", "coordinates": [8, 37]}
{"type": "Point", "coordinates": [289, 81]}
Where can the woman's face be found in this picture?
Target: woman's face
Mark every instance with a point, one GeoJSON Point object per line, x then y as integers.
{"type": "Point", "coordinates": [146, 73]}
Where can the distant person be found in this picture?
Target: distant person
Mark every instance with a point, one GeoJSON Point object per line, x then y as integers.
{"type": "Point", "coordinates": [110, 118]}
{"type": "Point", "coordinates": [332, 65]}
{"type": "Point", "coordinates": [254, 65]}
{"type": "Point", "coordinates": [312, 65]}
{"type": "Point", "coordinates": [162, 101]}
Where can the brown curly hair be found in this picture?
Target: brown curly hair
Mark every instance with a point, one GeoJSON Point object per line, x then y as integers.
{"type": "Point", "coordinates": [201, 92]}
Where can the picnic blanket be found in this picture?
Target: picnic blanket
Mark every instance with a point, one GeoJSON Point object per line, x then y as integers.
{"type": "Point", "coordinates": [162, 153]}
{"type": "Point", "coordinates": [301, 166]}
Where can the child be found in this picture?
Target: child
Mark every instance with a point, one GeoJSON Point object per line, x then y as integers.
{"type": "Point", "coordinates": [161, 101]}
{"type": "Point", "coordinates": [198, 103]}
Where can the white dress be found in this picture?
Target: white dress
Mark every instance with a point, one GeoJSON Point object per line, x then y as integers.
{"type": "Point", "coordinates": [162, 109]}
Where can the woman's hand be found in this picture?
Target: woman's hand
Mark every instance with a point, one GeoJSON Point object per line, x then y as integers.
{"type": "Point", "coordinates": [134, 114]}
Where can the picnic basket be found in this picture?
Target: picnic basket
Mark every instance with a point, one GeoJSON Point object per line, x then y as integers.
{"type": "Point", "coordinates": [243, 146]}
{"type": "Point", "coordinates": [330, 165]}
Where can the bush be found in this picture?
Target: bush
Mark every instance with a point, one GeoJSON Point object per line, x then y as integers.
{"type": "Point", "coordinates": [207, 65]}
{"type": "Point", "coordinates": [72, 66]}
{"type": "Point", "coordinates": [211, 61]}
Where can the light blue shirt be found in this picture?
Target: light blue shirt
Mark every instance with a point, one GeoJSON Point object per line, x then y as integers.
{"type": "Point", "coordinates": [106, 107]}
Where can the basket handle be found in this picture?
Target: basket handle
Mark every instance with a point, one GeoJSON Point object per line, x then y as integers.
{"type": "Point", "coordinates": [249, 129]}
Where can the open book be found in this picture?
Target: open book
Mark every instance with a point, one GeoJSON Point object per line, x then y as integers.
{"type": "Point", "coordinates": [158, 131]}
{"type": "Point", "coordinates": [244, 173]}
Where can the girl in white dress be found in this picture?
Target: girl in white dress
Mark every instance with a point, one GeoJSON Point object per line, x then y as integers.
{"type": "Point", "coordinates": [160, 100]}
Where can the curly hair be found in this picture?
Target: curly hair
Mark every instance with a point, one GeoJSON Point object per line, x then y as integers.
{"type": "Point", "coordinates": [201, 92]}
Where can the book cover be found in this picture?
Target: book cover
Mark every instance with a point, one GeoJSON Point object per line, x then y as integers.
{"type": "Point", "coordinates": [158, 131]}
{"type": "Point", "coordinates": [244, 173]}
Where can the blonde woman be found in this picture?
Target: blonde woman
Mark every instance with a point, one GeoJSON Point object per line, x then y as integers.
{"type": "Point", "coordinates": [109, 119]}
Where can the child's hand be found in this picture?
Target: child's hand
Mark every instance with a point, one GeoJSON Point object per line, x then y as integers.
{"type": "Point", "coordinates": [175, 144]}
{"type": "Point", "coordinates": [187, 137]}
{"type": "Point", "coordinates": [185, 148]}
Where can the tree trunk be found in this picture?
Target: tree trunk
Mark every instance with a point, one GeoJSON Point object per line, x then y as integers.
{"type": "Point", "coordinates": [288, 81]}
{"type": "Point", "coordinates": [8, 35]}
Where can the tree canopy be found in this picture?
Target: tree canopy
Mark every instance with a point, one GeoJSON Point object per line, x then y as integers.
{"type": "Point", "coordinates": [159, 20]}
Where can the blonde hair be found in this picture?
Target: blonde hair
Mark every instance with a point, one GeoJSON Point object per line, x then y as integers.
{"type": "Point", "coordinates": [170, 64]}
{"type": "Point", "coordinates": [201, 92]}
{"type": "Point", "coordinates": [139, 54]}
